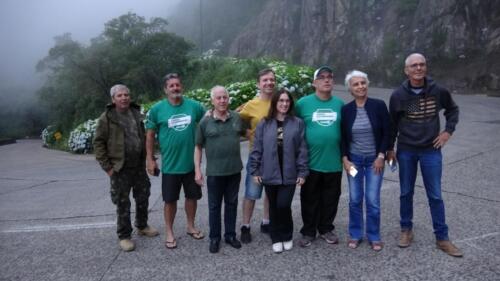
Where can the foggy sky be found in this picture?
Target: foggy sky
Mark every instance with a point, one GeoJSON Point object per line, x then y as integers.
{"type": "Point", "coordinates": [27, 28]}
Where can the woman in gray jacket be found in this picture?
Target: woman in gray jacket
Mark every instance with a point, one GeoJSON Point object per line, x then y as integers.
{"type": "Point", "coordinates": [279, 162]}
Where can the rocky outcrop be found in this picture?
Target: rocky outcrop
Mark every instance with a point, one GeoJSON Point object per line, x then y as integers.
{"type": "Point", "coordinates": [460, 38]}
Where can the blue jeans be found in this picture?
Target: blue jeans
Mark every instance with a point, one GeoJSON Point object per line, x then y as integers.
{"type": "Point", "coordinates": [220, 187]}
{"type": "Point", "coordinates": [253, 190]}
{"type": "Point", "coordinates": [431, 167]}
{"type": "Point", "coordinates": [365, 184]}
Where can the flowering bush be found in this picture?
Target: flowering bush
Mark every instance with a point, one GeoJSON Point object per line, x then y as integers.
{"type": "Point", "coordinates": [80, 139]}
{"type": "Point", "coordinates": [296, 79]}
{"type": "Point", "coordinates": [201, 95]}
{"type": "Point", "coordinates": [241, 92]}
{"type": "Point", "coordinates": [50, 136]}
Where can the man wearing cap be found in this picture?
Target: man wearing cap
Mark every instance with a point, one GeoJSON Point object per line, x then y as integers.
{"type": "Point", "coordinates": [120, 150]}
{"type": "Point", "coordinates": [319, 197]}
{"type": "Point", "coordinates": [173, 120]}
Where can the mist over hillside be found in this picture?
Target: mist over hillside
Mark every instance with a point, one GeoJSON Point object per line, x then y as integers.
{"type": "Point", "coordinates": [28, 29]}
{"type": "Point", "coordinates": [461, 39]}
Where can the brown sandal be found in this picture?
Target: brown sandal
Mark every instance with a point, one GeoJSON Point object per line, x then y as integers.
{"type": "Point", "coordinates": [353, 244]}
{"type": "Point", "coordinates": [196, 235]}
{"type": "Point", "coordinates": [377, 246]}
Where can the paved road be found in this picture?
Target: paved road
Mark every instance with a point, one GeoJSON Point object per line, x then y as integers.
{"type": "Point", "coordinates": [57, 222]}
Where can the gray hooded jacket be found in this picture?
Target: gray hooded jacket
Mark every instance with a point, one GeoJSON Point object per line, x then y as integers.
{"type": "Point", "coordinates": [264, 160]}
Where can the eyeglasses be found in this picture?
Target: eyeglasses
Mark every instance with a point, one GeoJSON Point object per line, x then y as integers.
{"type": "Point", "coordinates": [416, 65]}
{"type": "Point", "coordinates": [284, 100]}
{"type": "Point", "coordinates": [327, 77]}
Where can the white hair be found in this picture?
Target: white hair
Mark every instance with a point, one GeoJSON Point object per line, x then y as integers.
{"type": "Point", "coordinates": [355, 73]}
{"type": "Point", "coordinates": [407, 60]}
{"type": "Point", "coordinates": [118, 87]}
{"type": "Point", "coordinates": [217, 87]}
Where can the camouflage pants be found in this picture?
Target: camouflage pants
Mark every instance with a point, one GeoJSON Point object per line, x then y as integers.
{"type": "Point", "coordinates": [122, 183]}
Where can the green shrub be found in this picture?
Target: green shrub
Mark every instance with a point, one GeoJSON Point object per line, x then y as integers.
{"type": "Point", "coordinates": [228, 71]}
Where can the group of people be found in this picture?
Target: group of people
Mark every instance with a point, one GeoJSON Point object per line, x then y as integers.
{"type": "Point", "coordinates": [307, 144]}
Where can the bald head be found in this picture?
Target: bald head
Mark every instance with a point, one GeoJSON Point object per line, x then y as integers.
{"type": "Point", "coordinates": [416, 69]}
{"type": "Point", "coordinates": [413, 56]}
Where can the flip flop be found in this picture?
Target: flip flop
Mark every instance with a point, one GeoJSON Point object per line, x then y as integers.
{"type": "Point", "coordinates": [196, 235]}
{"type": "Point", "coordinates": [171, 244]}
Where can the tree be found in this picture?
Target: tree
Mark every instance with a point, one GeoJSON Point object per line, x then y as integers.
{"type": "Point", "coordinates": [129, 51]}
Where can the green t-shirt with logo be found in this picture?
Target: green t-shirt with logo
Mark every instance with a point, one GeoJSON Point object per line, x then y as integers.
{"type": "Point", "coordinates": [175, 127]}
{"type": "Point", "coordinates": [322, 120]}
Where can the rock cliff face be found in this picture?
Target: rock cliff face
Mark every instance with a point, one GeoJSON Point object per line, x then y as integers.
{"type": "Point", "coordinates": [460, 38]}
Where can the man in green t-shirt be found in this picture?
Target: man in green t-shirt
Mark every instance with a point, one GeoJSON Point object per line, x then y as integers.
{"type": "Point", "coordinates": [219, 133]}
{"type": "Point", "coordinates": [319, 197]}
{"type": "Point", "coordinates": [174, 121]}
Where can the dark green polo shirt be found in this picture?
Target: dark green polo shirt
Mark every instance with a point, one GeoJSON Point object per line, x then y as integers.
{"type": "Point", "coordinates": [221, 140]}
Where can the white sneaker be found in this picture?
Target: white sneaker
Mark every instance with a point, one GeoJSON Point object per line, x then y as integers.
{"type": "Point", "coordinates": [278, 247]}
{"type": "Point", "coordinates": [288, 245]}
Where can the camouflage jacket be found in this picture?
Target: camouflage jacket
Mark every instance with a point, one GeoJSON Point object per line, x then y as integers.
{"type": "Point", "coordinates": [109, 140]}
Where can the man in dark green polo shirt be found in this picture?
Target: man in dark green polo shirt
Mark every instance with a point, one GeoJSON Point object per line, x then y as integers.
{"type": "Point", "coordinates": [219, 133]}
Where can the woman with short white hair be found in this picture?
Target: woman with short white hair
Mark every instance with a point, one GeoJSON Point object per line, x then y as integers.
{"type": "Point", "coordinates": [365, 138]}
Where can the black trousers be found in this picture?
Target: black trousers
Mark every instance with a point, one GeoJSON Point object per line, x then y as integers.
{"type": "Point", "coordinates": [319, 199]}
{"type": "Point", "coordinates": [280, 211]}
{"type": "Point", "coordinates": [219, 188]}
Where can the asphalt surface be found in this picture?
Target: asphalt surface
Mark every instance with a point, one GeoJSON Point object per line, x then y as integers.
{"type": "Point", "coordinates": [57, 221]}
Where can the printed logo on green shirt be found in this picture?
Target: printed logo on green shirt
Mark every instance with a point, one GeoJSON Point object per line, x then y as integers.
{"type": "Point", "coordinates": [324, 116]}
{"type": "Point", "coordinates": [179, 122]}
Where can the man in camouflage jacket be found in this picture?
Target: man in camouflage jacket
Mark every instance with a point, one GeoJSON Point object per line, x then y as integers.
{"type": "Point", "coordinates": [119, 147]}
